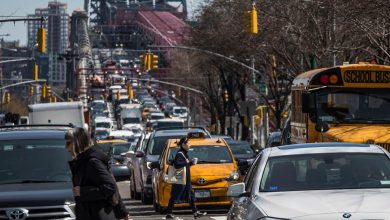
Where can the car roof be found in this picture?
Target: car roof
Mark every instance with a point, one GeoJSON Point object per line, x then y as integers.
{"type": "Point", "coordinates": [237, 142]}
{"type": "Point", "coordinates": [198, 142]}
{"type": "Point", "coordinates": [33, 134]}
{"type": "Point", "coordinates": [175, 132]}
{"type": "Point", "coordinates": [319, 148]}
{"type": "Point", "coordinates": [105, 141]}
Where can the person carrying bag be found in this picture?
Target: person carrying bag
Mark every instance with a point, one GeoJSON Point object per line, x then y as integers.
{"type": "Point", "coordinates": [180, 177]}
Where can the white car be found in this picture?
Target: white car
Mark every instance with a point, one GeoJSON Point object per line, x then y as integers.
{"type": "Point", "coordinates": [123, 134]}
{"type": "Point", "coordinates": [103, 123]}
{"type": "Point", "coordinates": [180, 112]}
{"type": "Point", "coordinates": [313, 182]}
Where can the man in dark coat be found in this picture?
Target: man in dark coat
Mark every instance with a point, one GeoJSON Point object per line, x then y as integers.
{"type": "Point", "coordinates": [94, 185]}
{"type": "Point", "coordinates": [183, 193]}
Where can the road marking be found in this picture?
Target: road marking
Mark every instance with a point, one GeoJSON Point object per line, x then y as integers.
{"type": "Point", "coordinates": [219, 218]}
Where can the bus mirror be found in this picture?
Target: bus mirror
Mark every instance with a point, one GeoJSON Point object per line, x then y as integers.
{"type": "Point", "coordinates": [322, 126]}
{"type": "Point", "coordinates": [307, 102]}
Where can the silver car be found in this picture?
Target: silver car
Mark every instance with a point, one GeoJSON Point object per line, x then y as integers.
{"type": "Point", "coordinates": [315, 181]}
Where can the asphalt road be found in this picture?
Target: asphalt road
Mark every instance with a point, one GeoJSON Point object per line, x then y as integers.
{"type": "Point", "coordinates": [140, 211]}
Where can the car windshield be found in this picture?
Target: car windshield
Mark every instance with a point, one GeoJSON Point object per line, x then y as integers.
{"type": "Point", "coordinates": [101, 132]}
{"type": "Point", "coordinates": [180, 111]}
{"type": "Point", "coordinates": [326, 171]}
{"type": "Point", "coordinates": [205, 154]}
{"type": "Point", "coordinates": [156, 145]}
{"type": "Point", "coordinates": [24, 161]}
{"type": "Point", "coordinates": [155, 117]}
{"type": "Point", "coordinates": [241, 148]}
{"type": "Point", "coordinates": [103, 125]}
{"type": "Point", "coordinates": [356, 106]}
{"type": "Point", "coordinates": [131, 121]}
{"type": "Point", "coordinates": [118, 149]}
{"type": "Point", "coordinates": [104, 147]}
{"type": "Point", "coordinates": [168, 124]}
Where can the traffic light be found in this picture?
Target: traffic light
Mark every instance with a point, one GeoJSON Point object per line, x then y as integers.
{"type": "Point", "coordinates": [7, 97]}
{"type": "Point", "coordinates": [48, 91]}
{"type": "Point", "coordinates": [118, 95]}
{"type": "Point", "coordinates": [251, 21]}
{"type": "Point", "coordinates": [226, 95]}
{"type": "Point", "coordinates": [130, 91]}
{"type": "Point", "coordinates": [31, 93]}
{"type": "Point", "coordinates": [44, 91]}
{"type": "Point", "coordinates": [154, 61]}
{"type": "Point", "coordinates": [41, 40]}
{"type": "Point", "coordinates": [35, 72]}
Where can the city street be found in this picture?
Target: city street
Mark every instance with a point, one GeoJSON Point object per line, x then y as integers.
{"type": "Point", "coordinates": [140, 211]}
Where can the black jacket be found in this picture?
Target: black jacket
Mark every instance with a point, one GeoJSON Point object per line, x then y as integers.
{"type": "Point", "coordinates": [183, 193]}
{"type": "Point", "coordinates": [97, 186]}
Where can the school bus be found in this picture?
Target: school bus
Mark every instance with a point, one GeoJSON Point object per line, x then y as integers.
{"type": "Point", "coordinates": [349, 103]}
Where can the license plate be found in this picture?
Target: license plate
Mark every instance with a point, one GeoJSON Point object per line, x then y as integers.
{"type": "Point", "coordinates": [202, 193]}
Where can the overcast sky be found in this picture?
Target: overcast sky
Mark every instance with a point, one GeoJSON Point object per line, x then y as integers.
{"type": "Point", "coordinates": [18, 31]}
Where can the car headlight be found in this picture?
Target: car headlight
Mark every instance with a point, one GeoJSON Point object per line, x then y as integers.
{"type": "Point", "coordinates": [234, 176]}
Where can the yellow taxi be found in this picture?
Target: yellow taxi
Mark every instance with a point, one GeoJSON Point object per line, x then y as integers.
{"type": "Point", "coordinates": [105, 144]}
{"type": "Point", "coordinates": [211, 177]}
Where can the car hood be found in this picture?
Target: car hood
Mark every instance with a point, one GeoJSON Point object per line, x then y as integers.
{"type": "Point", "coordinates": [358, 133]}
{"type": "Point", "coordinates": [33, 194]}
{"type": "Point", "coordinates": [211, 172]}
{"type": "Point", "coordinates": [324, 202]}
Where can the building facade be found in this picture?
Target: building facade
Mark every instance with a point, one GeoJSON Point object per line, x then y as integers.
{"type": "Point", "coordinates": [57, 38]}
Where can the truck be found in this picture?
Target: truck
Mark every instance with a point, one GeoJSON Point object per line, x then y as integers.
{"type": "Point", "coordinates": [57, 113]}
{"type": "Point", "coordinates": [130, 118]}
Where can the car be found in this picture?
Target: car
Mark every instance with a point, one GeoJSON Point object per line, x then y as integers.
{"type": "Point", "coordinates": [133, 163]}
{"type": "Point", "coordinates": [243, 152]}
{"type": "Point", "coordinates": [105, 144]}
{"type": "Point", "coordinates": [100, 133]}
{"type": "Point", "coordinates": [215, 171]}
{"type": "Point", "coordinates": [35, 178]}
{"type": "Point", "coordinates": [180, 112]}
{"type": "Point", "coordinates": [118, 160]}
{"type": "Point", "coordinates": [123, 134]}
{"type": "Point", "coordinates": [167, 123]}
{"type": "Point", "coordinates": [274, 139]}
{"type": "Point", "coordinates": [315, 181]}
{"type": "Point", "coordinates": [151, 152]}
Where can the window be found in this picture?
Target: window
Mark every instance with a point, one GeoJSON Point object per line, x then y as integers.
{"type": "Point", "coordinates": [251, 174]}
{"type": "Point", "coordinates": [326, 171]}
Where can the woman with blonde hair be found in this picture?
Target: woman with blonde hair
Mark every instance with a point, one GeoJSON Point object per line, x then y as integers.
{"type": "Point", "coordinates": [93, 184]}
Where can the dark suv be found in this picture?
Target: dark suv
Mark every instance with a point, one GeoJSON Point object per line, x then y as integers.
{"type": "Point", "coordinates": [35, 179]}
{"type": "Point", "coordinates": [150, 152]}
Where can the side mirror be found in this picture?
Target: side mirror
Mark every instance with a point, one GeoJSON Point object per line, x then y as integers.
{"type": "Point", "coordinates": [322, 126]}
{"type": "Point", "coordinates": [155, 165]}
{"type": "Point", "coordinates": [139, 154]}
{"type": "Point", "coordinates": [236, 190]}
{"type": "Point", "coordinates": [307, 102]}
{"type": "Point", "coordinates": [242, 163]}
